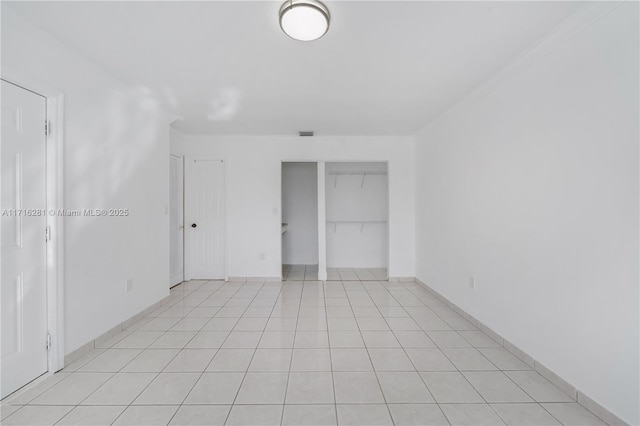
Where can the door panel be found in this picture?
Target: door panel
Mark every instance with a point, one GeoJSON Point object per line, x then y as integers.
{"type": "Point", "coordinates": [204, 203]}
{"type": "Point", "coordinates": [176, 220]}
{"type": "Point", "coordinates": [24, 308]}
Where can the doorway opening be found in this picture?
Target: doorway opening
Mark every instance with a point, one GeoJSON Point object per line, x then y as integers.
{"type": "Point", "coordinates": [357, 212]}
{"type": "Point", "coordinates": [299, 221]}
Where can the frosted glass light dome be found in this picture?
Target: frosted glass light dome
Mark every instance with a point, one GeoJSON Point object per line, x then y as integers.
{"type": "Point", "coordinates": [304, 20]}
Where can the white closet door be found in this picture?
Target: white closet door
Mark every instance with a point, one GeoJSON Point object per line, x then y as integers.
{"type": "Point", "coordinates": [205, 219]}
{"type": "Point", "coordinates": [176, 220]}
{"type": "Point", "coordinates": [24, 303]}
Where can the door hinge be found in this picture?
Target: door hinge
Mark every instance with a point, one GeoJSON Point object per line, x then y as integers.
{"type": "Point", "coordinates": [47, 127]}
{"type": "Point", "coordinates": [48, 341]}
{"type": "Point", "coordinates": [47, 234]}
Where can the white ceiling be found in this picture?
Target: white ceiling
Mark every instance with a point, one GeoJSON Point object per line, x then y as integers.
{"type": "Point", "coordinates": [225, 67]}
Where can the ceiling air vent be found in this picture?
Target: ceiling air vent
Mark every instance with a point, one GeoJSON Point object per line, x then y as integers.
{"type": "Point", "coordinates": [305, 132]}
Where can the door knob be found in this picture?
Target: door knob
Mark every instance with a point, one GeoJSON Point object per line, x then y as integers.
{"type": "Point", "coordinates": [193, 225]}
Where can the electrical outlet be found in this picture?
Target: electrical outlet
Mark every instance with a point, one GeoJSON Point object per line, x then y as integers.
{"type": "Point", "coordinates": [472, 282]}
{"type": "Point", "coordinates": [129, 285]}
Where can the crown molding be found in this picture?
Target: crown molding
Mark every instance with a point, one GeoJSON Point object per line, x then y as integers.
{"type": "Point", "coordinates": [570, 27]}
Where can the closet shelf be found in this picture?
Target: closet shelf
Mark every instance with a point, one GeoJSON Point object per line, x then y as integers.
{"type": "Point", "coordinates": [356, 221]}
{"type": "Point", "coordinates": [362, 223]}
{"type": "Point", "coordinates": [363, 174]}
{"type": "Point", "coordinates": [357, 173]}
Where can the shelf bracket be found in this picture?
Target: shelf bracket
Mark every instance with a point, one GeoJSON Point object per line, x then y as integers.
{"type": "Point", "coordinates": [364, 175]}
{"type": "Point", "coordinates": [335, 180]}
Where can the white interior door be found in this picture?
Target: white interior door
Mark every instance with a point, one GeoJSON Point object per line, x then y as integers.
{"type": "Point", "coordinates": [24, 303]}
{"type": "Point", "coordinates": [205, 221]}
{"type": "Point", "coordinates": [176, 220]}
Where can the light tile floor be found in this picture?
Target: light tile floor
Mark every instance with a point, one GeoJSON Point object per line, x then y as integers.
{"type": "Point", "coordinates": [297, 353]}
{"type": "Point", "coordinates": [310, 272]}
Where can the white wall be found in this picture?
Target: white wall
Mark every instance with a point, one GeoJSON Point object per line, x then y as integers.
{"type": "Point", "coordinates": [300, 213]}
{"type": "Point", "coordinates": [116, 150]}
{"type": "Point", "coordinates": [359, 199]}
{"type": "Point", "coordinates": [533, 190]}
{"type": "Point", "coordinates": [176, 145]}
{"type": "Point", "coordinates": [253, 167]}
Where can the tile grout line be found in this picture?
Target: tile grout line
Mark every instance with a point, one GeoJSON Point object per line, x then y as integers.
{"type": "Point", "coordinates": [439, 348]}
{"type": "Point", "coordinates": [187, 343]}
{"type": "Point", "coordinates": [184, 291]}
{"type": "Point", "coordinates": [461, 372]}
{"type": "Point", "coordinates": [173, 358]}
{"type": "Point", "coordinates": [333, 383]}
{"type": "Point", "coordinates": [113, 374]}
{"type": "Point", "coordinates": [156, 376]}
{"type": "Point", "coordinates": [295, 331]}
{"type": "Point", "coordinates": [404, 350]}
{"type": "Point", "coordinates": [407, 355]}
{"type": "Point", "coordinates": [366, 347]}
{"type": "Point", "coordinates": [456, 367]}
{"type": "Point", "coordinates": [252, 356]}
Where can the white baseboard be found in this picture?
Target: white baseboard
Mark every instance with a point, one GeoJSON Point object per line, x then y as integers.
{"type": "Point", "coordinates": [97, 342]}
{"type": "Point", "coordinates": [579, 396]}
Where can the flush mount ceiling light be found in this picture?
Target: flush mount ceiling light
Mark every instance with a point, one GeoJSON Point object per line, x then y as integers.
{"type": "Point", "coordinates": [304, 20]}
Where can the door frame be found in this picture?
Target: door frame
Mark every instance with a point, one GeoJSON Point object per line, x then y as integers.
{"type": "Point", "coordinates": [320, 198]}
{"type": "Point", "coordinates": [55, 223]}
{"type": "Point", "coordinates": [322, 232]}
{"type": "Point", "coordinates": [180, 158]}
{"type": "Point", "coordinates": [187, 159]}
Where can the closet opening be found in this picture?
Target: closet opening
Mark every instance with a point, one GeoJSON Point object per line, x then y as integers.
{"type": "Point", "coordinates": [357, 212]}
{"type": "Point", "coordinates": [299, 221]}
